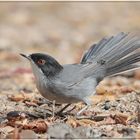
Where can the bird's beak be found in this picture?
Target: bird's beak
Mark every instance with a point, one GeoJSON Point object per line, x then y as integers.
{"type": "Point", "coordinates": [28, 57]}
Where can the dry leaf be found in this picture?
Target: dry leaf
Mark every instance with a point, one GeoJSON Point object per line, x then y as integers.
{"type": "Point", "coordinates": [21, 97]}
{"type": "Point", "coordinates": [39, 126]}
{"type": "Point", "coordinates": [121, 118]}
{"type": "Point", "coordinates": [17, 97]}
{"type": "Point", "coordinates": [31, 104]}
{"type": "Point", "coordinates": [106, 121]}
{"type": "Point", "coordinates": [86, 122]}
{"type": "Point", "coordinates": [83, 122]}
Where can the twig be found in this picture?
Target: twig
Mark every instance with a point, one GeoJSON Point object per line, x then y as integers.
{"type": "Point", "coordinates": [94, 118]}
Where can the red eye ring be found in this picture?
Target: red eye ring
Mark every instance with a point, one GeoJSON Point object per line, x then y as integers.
{"type": "Point", "coordinates": [41, 62]}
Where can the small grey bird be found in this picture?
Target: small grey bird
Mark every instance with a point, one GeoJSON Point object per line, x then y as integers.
{"type": "Point", "coordinates": [73, 83]}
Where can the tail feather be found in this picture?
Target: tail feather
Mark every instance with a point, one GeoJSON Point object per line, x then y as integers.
{"type": "Point", "coordinates": [122, 49]}
{"type": "Point", "coordinates": [131, 59]}
{"type": "Point", "coordinates": [125, 64]}
{"type": "Point", "coordinates": [119, 53]}
{"type": "Point", "coordinates": [117, 70]}
{"type": "Point", "coordinates": [88, 54]}
{"type": "Point", "coordinates": [104, 44]}
{"type": "Point", "coordinates": [111, 46]}
{"type": "Point", "coordinates": [95, 48]}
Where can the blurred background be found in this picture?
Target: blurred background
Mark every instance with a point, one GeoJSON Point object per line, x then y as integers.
{"type": "Point", "coordinates": [62, 29]}
{"type": "Point", "coordinates": [65, 30]}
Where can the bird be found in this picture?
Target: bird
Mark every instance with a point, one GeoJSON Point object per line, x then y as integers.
{"type": "Point", "coordinates": [73, 83]}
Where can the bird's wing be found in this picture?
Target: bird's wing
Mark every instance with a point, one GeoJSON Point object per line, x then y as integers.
{"type": "Point", "coordinates": [73, 75]}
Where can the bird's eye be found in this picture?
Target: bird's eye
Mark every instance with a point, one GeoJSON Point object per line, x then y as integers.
{"type": "Point", "coordinates": [41, 61]}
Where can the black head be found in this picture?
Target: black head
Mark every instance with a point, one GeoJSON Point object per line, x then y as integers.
{"type": "Point", "coordinates": [46, 63]}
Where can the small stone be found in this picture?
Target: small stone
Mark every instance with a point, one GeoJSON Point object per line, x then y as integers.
{"type": "Point", "coordinates": [61, 131]}
{"type": "Point", "coordinates": [106, 105]}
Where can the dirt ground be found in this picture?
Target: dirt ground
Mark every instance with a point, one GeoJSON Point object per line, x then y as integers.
{"type": "Point", "coordinates": [64, 30]}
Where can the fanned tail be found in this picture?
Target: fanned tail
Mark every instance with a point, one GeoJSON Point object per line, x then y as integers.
{"type": "Point", "coordinates": [116, 54]}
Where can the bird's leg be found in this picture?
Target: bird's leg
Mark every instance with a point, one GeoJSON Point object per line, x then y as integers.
{"type": "Point", "coordinates": [83, 109]}
{"type": "Point", "coordinates": [60, 112]}
{"type": "Point", "coordinates": [71, 109]}
{"type": "Point", "coordinates": [88, 103]}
